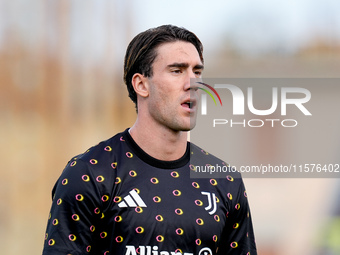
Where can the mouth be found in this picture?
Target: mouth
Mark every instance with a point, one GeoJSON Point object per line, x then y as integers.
{"type": "Point", "coordinates": [189, 104]}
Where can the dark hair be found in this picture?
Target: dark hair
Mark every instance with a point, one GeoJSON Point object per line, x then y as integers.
{"type": "Point", "coordinates": [141, 52]}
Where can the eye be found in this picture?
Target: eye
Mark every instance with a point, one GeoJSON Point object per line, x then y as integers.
{"type": "Point", "coordinates": [177, 71]}
{"type": "Point", "coordinates": [198, 73]}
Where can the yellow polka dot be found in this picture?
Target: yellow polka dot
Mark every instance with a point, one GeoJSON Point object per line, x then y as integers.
{"type": "Point", "coordinates": [160, 238]}
{"type": "Point", "coordinates": [199, 221]}
{"type": "Point", "coordinates": [234, 245]}
{"type": "Point", "coordinates": [51, 242]}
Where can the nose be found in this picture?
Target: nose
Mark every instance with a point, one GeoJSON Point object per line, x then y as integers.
{"type": "Point", "coordinates": [191, 81]}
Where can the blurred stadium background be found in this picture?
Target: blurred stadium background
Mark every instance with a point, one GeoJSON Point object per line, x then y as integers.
{"type": "Point", "coordinates": [61, 91]}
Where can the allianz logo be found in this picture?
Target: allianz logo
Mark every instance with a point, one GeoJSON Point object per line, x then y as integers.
{"type": "Point", "coordinates": [148, 250]}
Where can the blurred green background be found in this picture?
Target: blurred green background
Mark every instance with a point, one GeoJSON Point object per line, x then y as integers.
{"type": "Point", "coordinates": [62, 91]}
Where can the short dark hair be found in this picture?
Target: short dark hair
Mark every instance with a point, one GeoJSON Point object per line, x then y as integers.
{"type": "Point", "coordinates": [141, 52]}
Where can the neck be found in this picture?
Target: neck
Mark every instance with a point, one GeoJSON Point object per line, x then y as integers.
{"type": "Point", "coordinates": [158, 141]}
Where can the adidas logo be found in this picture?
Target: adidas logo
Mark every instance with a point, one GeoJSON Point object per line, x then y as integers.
{"type": "Point", "coordinates": [132, 200]}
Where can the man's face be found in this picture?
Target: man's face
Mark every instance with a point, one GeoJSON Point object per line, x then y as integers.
{"type": "Point", "coordinates": [172, 101]}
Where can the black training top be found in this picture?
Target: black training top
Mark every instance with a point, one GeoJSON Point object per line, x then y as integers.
{"type": "Point", "coordinates": [116, 199]}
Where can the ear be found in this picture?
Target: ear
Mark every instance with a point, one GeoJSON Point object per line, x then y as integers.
{"type": "Point", "coordinates": [140, 85]}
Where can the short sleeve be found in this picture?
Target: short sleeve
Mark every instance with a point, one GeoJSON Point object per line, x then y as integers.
{"type": "Point", "coordinates": [238, 235]}
{"type": "Point", "coordinates": [76, 211]}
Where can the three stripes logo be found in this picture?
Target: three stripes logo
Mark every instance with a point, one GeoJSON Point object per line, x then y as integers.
{"type": "Point", "coordinates": [204, 97]}
{"type": "Point", "coordinates": [132, 200]}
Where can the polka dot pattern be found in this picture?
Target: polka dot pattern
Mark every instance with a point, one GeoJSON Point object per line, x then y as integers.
{"type": "Point", "coordinates": [115, 196]}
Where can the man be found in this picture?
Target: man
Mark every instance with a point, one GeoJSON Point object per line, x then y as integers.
{"type": "Point", "coordinates": [133, 194]}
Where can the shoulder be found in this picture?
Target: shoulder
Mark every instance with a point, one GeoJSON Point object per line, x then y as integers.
{"type": "Point", "coordinates": [95, 167]}
{"type": "Point", "coordinates": [207, 165]}
{"type": "Point", "coordinates": [103, 151]}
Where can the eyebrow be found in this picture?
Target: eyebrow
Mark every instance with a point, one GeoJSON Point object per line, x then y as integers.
{"type": "Point", "coordinates": [185, 65]}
